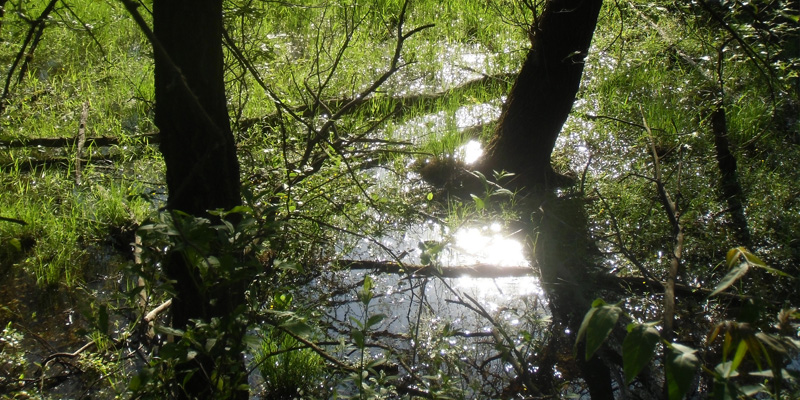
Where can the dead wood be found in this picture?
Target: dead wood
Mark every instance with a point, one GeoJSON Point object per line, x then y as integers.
{"type": "Point", "coordinates": [101, 141]}
{"type": "Point", "coordinates": [475, 270]}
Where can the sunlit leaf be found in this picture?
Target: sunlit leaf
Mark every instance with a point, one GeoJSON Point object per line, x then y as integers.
{"type": "Point", "coordinates": [741, 350]}
{"type": "Point", "coordinates": [168, 330]}
{"type": "Point", "coordinates": [638, 349]}
{"type": "Point", "coordinates": [365, 294]}
{"type": "Point", "coordinates": [15, 243]}
{"type": "Point", "coordinates": [751, 390]}
{"type": "Point", "coordinates": [288, 266]}
{"type": "Point", "coordinates": [731, 278]}
{"type": "Point", "coordinates": [479, 204]}
{"type": "Point", "coordinates": [732, 257]}
{"type": "Point", "coordinates": [726, 370]}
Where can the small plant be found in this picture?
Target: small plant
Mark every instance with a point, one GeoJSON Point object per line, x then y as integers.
{"type": "Point", "coordinates": [769, 351]}
{"type": "Point", "coordinates": [218, 253]}
{"type": "Point", "coordinates": [290, 368]}
{"type": "Point", "coordinates": [370, 383]}
{"type": "Point", "coordinates": [12, 359]}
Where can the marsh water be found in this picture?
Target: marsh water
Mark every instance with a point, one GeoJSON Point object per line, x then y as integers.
{"type": "Point", "coordinates": [418, 309]}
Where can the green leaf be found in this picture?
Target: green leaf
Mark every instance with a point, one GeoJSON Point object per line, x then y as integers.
{"type": "Point", "coordinates": [15, 243]}
{"type": "Point", "coordinates": [358, 338]}
{"type": "Point", "coordinates": [732, 257]}
{"type": "Point", "coordinates": [726, 370]}
{"type": "Point", "coordinates": [252, 341]}
{"type": "Point", "coordinates": [375, 319]}
{"type": "Point", "coordinates": [284, 265]}
{"type": "Point", "coordinates": [357, 322]}
{"type": "Point", "coordinates": [752, 258]}
{"type": "Point", "coordinates": [600, 327]}
{"type": "Point", "coordinates": [681, 364]}
{"type": "Point", "coordinates": [368, 283]}
{"type": "Point", "coordinates": [585, 324]}
{"type": "Point", "coordinates": [724, 390]}
{"type": "Point", "coordinates": [168, 330]}
{"type": "Point", "coordinates": [789, 15]}
{"type": "Point", "coordinates": [297, 327]}
{"type": "Point", "coordinates": [502, 192]}
{"type": "Point", "coordinates": [638, 349]}
{"type": "Point", "coordinates": [135, 383]}
{"type": "Point", "coordinates": [734, 275]}
{"type": "Point", "coordinates": [741, 350]}
{"type": "Point", "coordinates": [597, 325]}
{"type": "Point", "coordinates": [365, 294]}
{"type": "Point", "coordinates": [479, 204]}
{"type": "Point", "coordinates": [429, 196]}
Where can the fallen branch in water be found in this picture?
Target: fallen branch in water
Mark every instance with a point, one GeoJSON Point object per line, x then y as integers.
{"type": "Point", "coordinates": [481, 270]}
{"type": "Point", "coordinates": [101, 141]}
{"type": "Point", "coordinates": [14, 220]}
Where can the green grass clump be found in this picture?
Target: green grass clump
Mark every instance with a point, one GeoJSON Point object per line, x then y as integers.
{"type": "Point", "coordinates": [289, 369]}
{"type": "Point", "coordinates": [63, 223]}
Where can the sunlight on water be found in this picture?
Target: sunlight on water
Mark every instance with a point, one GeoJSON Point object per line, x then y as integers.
{"type": "Point", "coordinates": [487, 245]}
{"type": "Point", "coordinates": [472, 151]}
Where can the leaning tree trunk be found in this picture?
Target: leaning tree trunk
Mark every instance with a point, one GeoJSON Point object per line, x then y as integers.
{"type": "Point", "coordinates": [202, 169]}
{"type": "Point", "coordinates": [533, 116]}
{"type": "Point", "coordinates": [543, 93]}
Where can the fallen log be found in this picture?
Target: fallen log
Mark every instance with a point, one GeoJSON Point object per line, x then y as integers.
{"type": "Point", "coordinates": [476, 270]}
{"type": "Point", "coordinates": [101, 141]}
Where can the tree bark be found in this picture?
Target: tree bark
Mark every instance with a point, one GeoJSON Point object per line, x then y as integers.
{"type": "Point", "coordinates": [533, 116]}
{"type": "Point", "coordinates": [191, 107]}
{"type": "Point", "coordinates": [729, 184]}
{"type": "Point", "coordinates": [202, 172]}
{"type": "Point", "coordinates": [543, 94]}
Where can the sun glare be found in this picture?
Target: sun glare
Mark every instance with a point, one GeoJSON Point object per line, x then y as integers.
{"type": "Point", "coordinates": [489, 245]}
{"type": "Point", "coordinates": [472, 151]}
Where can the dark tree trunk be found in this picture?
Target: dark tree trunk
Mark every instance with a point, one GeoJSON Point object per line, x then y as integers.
{"type": "Point", "coordinates": [731, 190]}
{"type": "Point", "coordinates": [533, 116]}
{"type": "Point", "coordinates": [543, 93]}
{"type": "Point", "coordinates": [196, 139]}
{"type": "Point", "coordinates": [202, 171]}
{"type": "Point", "coordinates": [564, 255]}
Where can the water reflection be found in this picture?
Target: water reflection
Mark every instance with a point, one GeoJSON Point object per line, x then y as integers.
{"type": "Point", "coordinates": [487, 245]}
{"type": "Point", "coordinates": [412, 300]}
{"type": "Point", "coordinates": [471, 151]}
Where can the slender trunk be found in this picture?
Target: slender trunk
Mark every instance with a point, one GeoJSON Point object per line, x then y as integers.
{"type": "Point", "coordinates": [731, 190]}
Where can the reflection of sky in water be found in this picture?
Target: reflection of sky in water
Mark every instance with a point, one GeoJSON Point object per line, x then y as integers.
{"type": "Point", "coordinates": [487, 245]}
{"type": "Point", "coordinates": [399, 298]}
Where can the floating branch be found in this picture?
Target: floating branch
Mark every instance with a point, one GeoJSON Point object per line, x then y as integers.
{"type": "Point", "coordinates": [475, 270]}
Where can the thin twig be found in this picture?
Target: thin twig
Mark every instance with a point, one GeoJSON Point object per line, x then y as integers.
{"type": "Point", "coordinates": [674, 218]}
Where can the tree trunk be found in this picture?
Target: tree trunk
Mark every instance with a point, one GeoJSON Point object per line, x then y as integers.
{"type": "Point", "coordinates": [196, 139]}
{"type": "Point", "coordinates": [202, 171]}
{"type": "Point", "coordinates": [731, 190]}
{"type": "Point", "coordinates": [543, 93]}
{"type": "Point", "coordinates": [533, 116]}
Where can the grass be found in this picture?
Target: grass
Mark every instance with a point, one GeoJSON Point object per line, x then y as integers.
{"type": "Point", "coordinates": [92, 52]}
{"type": "Point", "coordinates": [288, 368]}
